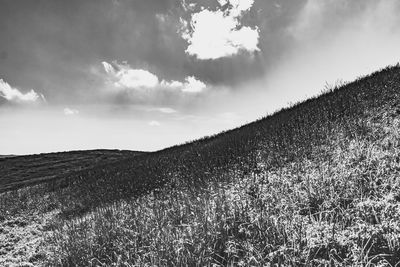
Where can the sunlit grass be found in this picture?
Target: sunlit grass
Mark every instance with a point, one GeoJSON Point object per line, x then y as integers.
{"type": "Point", "coordinates": [344, 211]}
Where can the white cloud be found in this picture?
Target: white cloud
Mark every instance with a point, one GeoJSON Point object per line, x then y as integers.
{"type": "Point", "coordinates": [123, 76]}
{"type": "Point", "coordinates": [70, 111]}
{"type": "Point", "coordinates": [137, 78]}
{"type": "Point", "coordinates": [167, 110]}
{"type": "Point", "coordinates": [164, 110]}
{"type": "Point", "coordinates": [126, 77]}
{"type": "Point", "coordinates": [14, 95]}
{"type": "Point", "coordinates": [108, 68]}
{"type": "Point", "coordinates": [222, 2]}
{"type": "Point", "coordinates": [239, 6]}
{"type": "Point", "coordinates": [192, 85]}
{"type": "Point", "coordinates": [216, 34]}
{"type": "Point", "coordinates": [154, 123]}
{"type": "Point", "coordinates": [188, 7]}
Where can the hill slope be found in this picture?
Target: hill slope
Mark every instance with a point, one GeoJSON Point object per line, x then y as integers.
{"type": "Point", "coordinates": [294, 134]}
{"type": "Point", "coordinates": [311, 185]}
{"type": "Point", "coordinates": [20, 171]}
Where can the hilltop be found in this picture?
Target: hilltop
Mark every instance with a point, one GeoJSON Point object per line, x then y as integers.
{"type": "Point", "coordinates": [313, 184]}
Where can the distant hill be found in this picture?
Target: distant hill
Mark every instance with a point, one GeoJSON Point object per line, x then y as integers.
{"type": "Point", "coordinates": [6, 156]}
{"type": "Point", "coordinates": [20, 171]}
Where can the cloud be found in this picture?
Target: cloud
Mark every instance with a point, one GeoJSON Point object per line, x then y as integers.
{"type": "Point", "coordinates": [188, 7]}
{"type": "Point", "coordinates": [217, 34]}
{"type": "Point", "coordinates": [108, 68]}
{"type": "Point", "coordinates": [154, 123]}
{"type": "Point", "coordinates": [125, 77]}
{"type": "Point", "coordinates": [122, 76]}
{"type": "Point", "coordinates": [191, 85]}
{"type": "Point", "coordinates": [239, 6]}
{"type": "Point", "coordinates": [166, 110]}
{"type": "Point", "coordinates": [16, 96]}
{"type": "Point", "coordinates": [70, 111]}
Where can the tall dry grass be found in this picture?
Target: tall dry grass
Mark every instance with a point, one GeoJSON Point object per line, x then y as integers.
{"type": "Point", "coordinates": [341, 208]}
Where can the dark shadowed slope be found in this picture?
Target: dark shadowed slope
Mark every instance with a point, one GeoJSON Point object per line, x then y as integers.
{"type": "Point", "coordinates": [20, 171]}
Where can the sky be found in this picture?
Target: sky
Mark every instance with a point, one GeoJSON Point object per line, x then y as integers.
{"type": "Point", "coordinates": [148, 74]}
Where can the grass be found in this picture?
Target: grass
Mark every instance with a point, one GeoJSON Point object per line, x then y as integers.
{"type": "Point", "coordinates": [20, 171]}
{"type": "Point", "coordinates": [309, 213]}
{"type": "Point", "coordinates": [316, 184]}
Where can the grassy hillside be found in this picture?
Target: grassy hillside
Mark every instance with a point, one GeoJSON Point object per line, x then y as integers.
{"type": "Point", "coordinates": [6, 156]}
{"type": "Point", "coordinates": [20, 171]}
{"type": "Point", "coordinates": [314, 184]}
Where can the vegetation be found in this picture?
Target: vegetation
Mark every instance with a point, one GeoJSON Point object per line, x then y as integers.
{"type": "Point", "coordinates": [316, 184]}
{"type": "Point", "coordinates": [20, 171]}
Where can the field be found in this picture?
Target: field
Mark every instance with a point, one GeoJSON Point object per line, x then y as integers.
{"type": "Point", "coordinates": [19, 171]}
{"type": "Point", "coordinates": [6, 156]}
{"type": "Point", "coordinates": [315, 184]}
